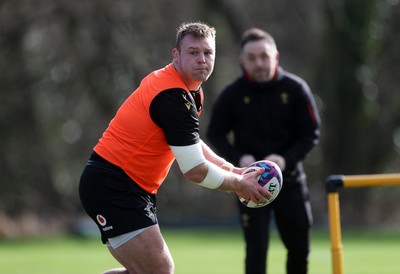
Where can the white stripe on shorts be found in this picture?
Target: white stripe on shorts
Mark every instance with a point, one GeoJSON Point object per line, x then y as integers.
{"type": "Point", "coordinates": [119, 240]}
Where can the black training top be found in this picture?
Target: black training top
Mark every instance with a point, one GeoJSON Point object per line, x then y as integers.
{"type": "Point", "coordinates": [278, 117]}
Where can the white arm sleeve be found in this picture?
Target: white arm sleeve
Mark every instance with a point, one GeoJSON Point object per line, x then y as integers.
{"type": "Point", "coordinates": [188, 157]}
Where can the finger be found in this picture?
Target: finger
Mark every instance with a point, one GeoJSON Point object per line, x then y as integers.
{"type": "Point", "coordinates": [261, 198]}
{"type": "Point", "coordinates": [261, 171]}
{"type": "Point", "coordinates": [268, 195]}
{"type": "Point", "coordinates": [265, 193]}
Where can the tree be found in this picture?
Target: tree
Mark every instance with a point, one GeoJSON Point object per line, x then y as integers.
{"type": "Point", "coordinates": [358, 122]}
{"type": "Point", "coordinates": [66, 66]}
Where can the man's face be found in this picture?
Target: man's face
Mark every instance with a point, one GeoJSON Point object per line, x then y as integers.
{"type": "Point", "coordinates": [259, 59]}
{"type": "Point", "coordinates": [195, 59]}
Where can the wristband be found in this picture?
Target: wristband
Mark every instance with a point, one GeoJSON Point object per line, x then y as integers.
{"type": "Point", "coordinates": [214, 178]}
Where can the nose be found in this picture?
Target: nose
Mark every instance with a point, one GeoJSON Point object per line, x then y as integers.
{"type": "Point", "coordinates": [201, 58]}
{"type": "Point", "coordinates": [259, 62]}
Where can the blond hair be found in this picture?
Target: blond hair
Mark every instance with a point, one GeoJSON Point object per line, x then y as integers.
{"type": "Point", "coordinates": [196, 29]}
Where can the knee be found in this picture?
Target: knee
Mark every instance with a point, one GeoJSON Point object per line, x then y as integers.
{"type": "Point", "coordinates": [167, 268]}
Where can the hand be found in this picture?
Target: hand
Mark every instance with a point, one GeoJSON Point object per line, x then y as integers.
{"type": "Point", "coordinates": [249, 189]}
{"type": "Point", "coordinates": [246, 160]}
{"type": "Point", "coordinates": [277, 159]}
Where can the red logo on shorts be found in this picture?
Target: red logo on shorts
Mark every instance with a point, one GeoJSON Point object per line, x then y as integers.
{"type": "Point", "coordinates": [101, 220]}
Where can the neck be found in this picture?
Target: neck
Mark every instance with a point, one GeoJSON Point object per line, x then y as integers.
{"type": "Point", "coordinates": [190, 84]}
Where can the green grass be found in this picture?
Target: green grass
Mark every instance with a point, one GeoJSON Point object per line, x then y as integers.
{"type": "Point", "coordinates": [200, 252]}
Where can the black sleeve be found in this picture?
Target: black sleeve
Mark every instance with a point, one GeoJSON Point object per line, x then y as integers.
{"type": "Point", "coordinates": [221, 124]}
{"type": "Point", "coordinates": [175, 112]}
{"type": "Point", "coordinates": [307, 123]}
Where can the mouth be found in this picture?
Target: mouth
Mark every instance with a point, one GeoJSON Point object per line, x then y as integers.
{"type": "Point", "coordinates": [261, 72]}
{"type": "Point", "coordinates": [202, 69]}
{"type": "Point", "coordinates": [261, 75]}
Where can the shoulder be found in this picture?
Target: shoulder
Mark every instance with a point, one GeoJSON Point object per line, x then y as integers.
{"type": "Point", "coordinates": [171, 105]}
{"type": "Point", "coordinates": [230, 94]}
{"type": "Point", "coordinates": [294, 82]}
{"type": "Point", "coordinates": [291, 78]}
{"type": "Point", "coordinates": [163, 79]}
{"type": "Point", "coordinates": [169, 97]}
{"type": "Point", "coordinates": [235, 87]}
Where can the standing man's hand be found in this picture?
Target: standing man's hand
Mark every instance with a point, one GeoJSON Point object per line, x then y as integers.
{"type": "Point", "coordinates": [246, 160]}
{"type": "Point", "coordinates": [277, 159]}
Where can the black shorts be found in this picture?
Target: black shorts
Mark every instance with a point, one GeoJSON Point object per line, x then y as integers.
{"type": "Point", "coordinates": [113, 200]}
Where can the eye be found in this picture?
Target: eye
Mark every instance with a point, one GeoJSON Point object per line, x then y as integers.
{"type": "Point", "coordinates": [265, 57]}
{"type": "Point", "coordinates": [251, 58]}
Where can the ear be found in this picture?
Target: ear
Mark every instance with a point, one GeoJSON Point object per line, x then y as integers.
{"type": "Point", "coordinates": [175, 53]}
{"type": "Point", "coordinates": [277, 56]}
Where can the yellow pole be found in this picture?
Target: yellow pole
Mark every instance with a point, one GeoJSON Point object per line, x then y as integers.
{"type": "Point", "coordinates": [336, 181]}
{"type": "Point", "coordinates": [371, 180]}
{"type": "Point", "coordinates": [335, 232]}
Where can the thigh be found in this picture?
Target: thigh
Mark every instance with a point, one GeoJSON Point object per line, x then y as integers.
{"type": "Point", "coordinates": [293, 217]}
{"type": "Point", "coordinates": [255, 222]}
{"type": "Point", "coordinates": [146, 253]}
{"type": "Point", "coordinates": [114, 201]}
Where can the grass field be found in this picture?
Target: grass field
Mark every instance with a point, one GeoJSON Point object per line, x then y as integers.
{"type": "Point", "coordinates": [200, 252]}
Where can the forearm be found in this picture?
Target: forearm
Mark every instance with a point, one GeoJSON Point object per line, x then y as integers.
{"type": "Point", "coordinates": [212, 176]}
{"type": "Point", "coordinates": [209, 175]}
{"type": "Point", "coordinates": [202, 171]}
{"type": "Point", "coordinates": [211, 156]}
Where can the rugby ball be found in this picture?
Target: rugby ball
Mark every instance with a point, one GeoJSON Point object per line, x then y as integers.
{"type": "Point", "coordinates": [271, 180]}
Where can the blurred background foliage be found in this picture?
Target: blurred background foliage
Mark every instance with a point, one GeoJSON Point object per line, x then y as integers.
{"type": "Point", "coordinates": [66, 66]}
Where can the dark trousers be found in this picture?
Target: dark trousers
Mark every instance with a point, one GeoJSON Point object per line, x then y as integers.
{"type": "Point", "coordinates": [292, 213]}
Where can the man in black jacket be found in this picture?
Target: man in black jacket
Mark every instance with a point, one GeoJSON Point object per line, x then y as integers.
{"type": "Point", "coordinates": [269, 114]}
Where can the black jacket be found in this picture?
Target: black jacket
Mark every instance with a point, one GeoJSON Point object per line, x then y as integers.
{"type": "Point", "coordinates": [278, 117]}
